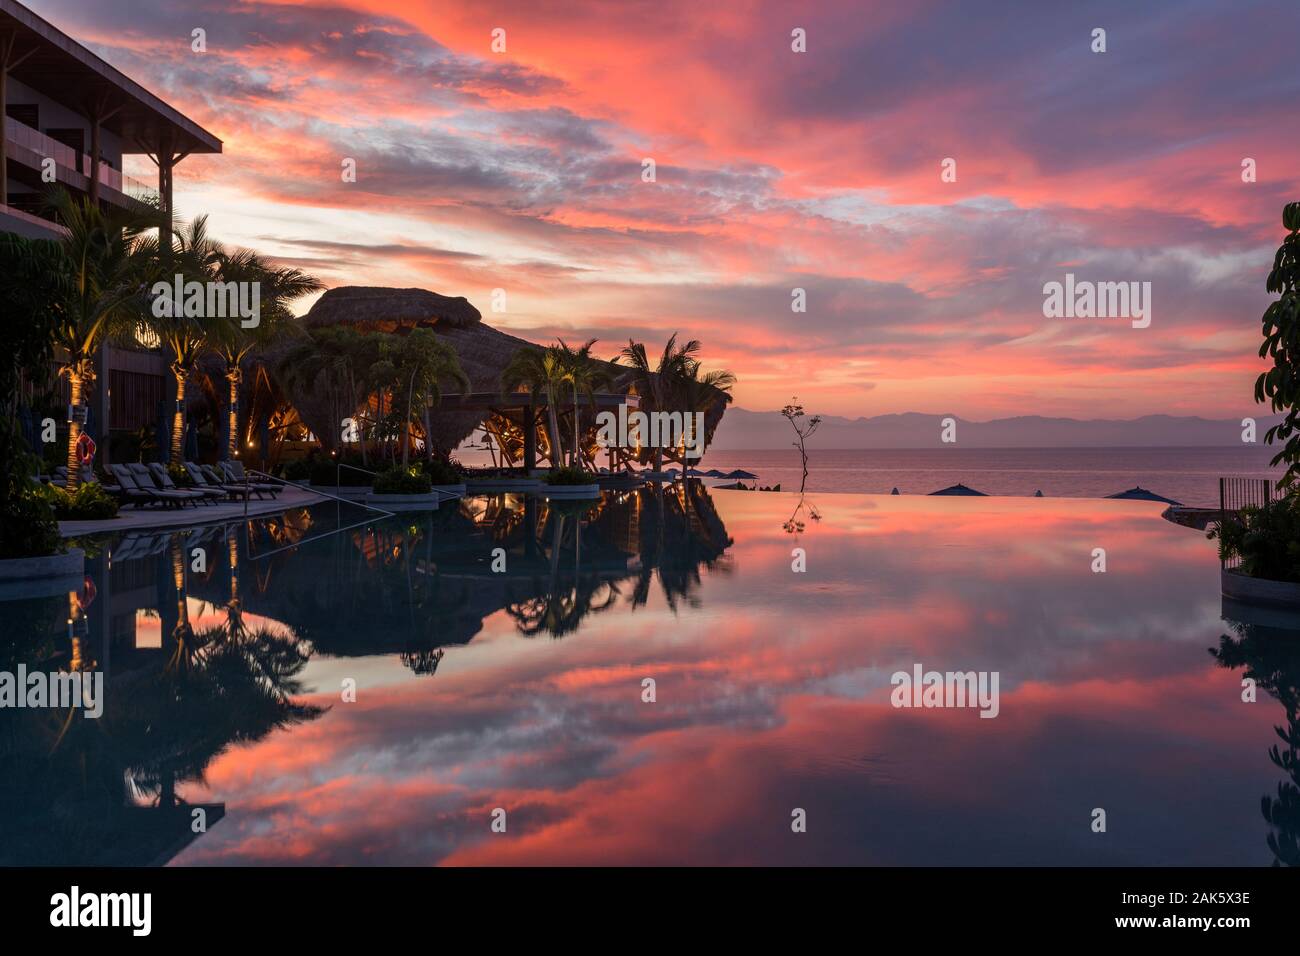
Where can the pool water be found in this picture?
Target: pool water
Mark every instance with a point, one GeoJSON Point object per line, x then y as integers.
{"type": "Point", "coordinates": [650, 679]}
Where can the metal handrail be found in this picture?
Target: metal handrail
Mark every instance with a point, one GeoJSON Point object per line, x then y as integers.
{"type": "Point", "coordinates": [46, 146]}
{"type": "Point", "coordinates": [364, 471]}
{"type": "Point", "coordinates": [317, 491]}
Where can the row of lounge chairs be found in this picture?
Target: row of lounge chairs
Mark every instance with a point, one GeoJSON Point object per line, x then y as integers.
{"type": "Point", "coordinates": [150, 484]}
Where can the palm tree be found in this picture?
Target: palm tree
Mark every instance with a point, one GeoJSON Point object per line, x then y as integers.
{"type": "Point", "coordinates": [278, 287]}
{"type": "Point", "coordinates": [661, 383]}
{"type": "Point", "coordinates": [111, 263]}
{"type": "Point", "coordinates": [701, 392]}
{"type": "Point", "coordinates": [420, 361]}
{"type": "Point", "coordinates": [189, 336]}
{"type": "Point", "coordinates": [584, 374]}
{"type": "Point", "coordinates": [35, 282]}
{"type": "Point", "coordinates": [328, 359]}
{"type": "Point", "coordinates": [358, 355]}
{"type": "Point", "coordinates": [540, 371]}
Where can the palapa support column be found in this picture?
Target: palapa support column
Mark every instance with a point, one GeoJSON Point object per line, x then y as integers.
{"type": "Point", "coordinates": [530, 439]}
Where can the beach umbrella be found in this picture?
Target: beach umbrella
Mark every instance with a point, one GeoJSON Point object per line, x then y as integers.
{"type": "Point", "coordinates": [959, 489]}
{"type": "Point", "coordinates": [1138, 493]}
{"type": "Point", "coordinates": [714, 473]}
{"type": "Point", "coordinates": [894, 492]}
{"type": "Point", "coordinates": [1038, 494]}
{"type": "Point", "coordinates": [191, 442]}
{"type": "Point", "coordinates": [738, 473]}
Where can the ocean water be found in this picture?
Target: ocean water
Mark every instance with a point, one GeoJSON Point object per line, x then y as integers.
{"type": "Point", "coordinates": [1188, 475]}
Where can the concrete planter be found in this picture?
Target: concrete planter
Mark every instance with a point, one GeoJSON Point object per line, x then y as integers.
{"type": "Point", "coordinates": [351, 492]}
{"type": "Point", "coordinates": [457, 490]}
{"type": "Point", "coordinates": [629, 481]}
{"type": "Point", "coordinates": [498, 486]}
{"type": "Point", "coordinates": [1246, 590]}
{"type": "Point", "coordinates": [427, 502]}
{"type": "Point", "coordinates": [43, 576]}
{"type": "Point", "coordinates": [568, 492]}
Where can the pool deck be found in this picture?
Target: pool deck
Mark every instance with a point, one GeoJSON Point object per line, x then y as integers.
{"type": "Point", "coordinates": [136, 519]}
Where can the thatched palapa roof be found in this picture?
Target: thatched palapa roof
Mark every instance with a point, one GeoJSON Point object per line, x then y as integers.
{"type": "Point", "coordinates": [483, 351]}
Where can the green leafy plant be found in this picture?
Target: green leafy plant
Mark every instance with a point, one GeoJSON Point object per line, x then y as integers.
{"type": "Point", "coordinates": [27, 528]}
{"type": "Point", "coordinates": [90, 502]}
{"type": "Point", "coordinates": [402, 481]}
{"type": "Point", "coordinates": [27, 525]}
{"type": "Point", "coordinates": [443, 472]}
{"type": "Point", "coordinates": [569, 476]}
{"type": "Point", "coordinates": [298, 470]}
{"type": "Point", "coordinates": [1266, 540]}
{"type": "Point", "coordinates": [1280, 385]}
{"type": "Point", "coordinates": [179, 476]}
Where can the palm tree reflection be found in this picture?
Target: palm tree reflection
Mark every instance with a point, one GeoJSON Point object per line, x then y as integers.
{"type": "Point", "coordinates": [633, 537]}
{"type": "Point", "coordinates": [411, 586]}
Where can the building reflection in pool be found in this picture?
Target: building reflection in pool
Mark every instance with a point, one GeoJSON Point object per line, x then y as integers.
{"type": "Point", "coordinates": [104, 792]}
{"type": "Point", "coordinates": [202, 635]}
{"type": "Point", "coordinates": [413, 586]}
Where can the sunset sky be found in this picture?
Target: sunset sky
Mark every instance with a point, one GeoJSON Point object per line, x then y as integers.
{"type": "Point", "coordinates": [775, 169]}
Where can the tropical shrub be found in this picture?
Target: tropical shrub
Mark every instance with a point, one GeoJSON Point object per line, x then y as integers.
{"type": "Point", "coordinates": [443, 472]}
{"type": "Point", "coordinates": [569, 476]}
{"type": "Point", "coordinates": [1280, 385]}
{"type": "Point", "coordinates": [179, 476]}
{"type": "Point", "coordinates": [402, 481]}
{"type": "Point", "coordinates": [1266, 540]}
{"type": "Point", "coordinates": [297, 470]}
{"type": "Point", "coordinates": [27, 527]}
{"type": "Point", "coordinates": [34, 274]}
{"type": "Point", "coordinates": [89, 502]}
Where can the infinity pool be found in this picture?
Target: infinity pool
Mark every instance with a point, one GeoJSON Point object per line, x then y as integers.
{"type": "Point", "coordinates": [502, 652]}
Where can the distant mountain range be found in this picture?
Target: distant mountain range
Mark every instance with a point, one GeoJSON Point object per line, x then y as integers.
{"type": "Point", "coordinates": [742, 428]}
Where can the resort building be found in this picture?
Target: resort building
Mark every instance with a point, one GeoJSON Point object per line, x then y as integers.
{"type": "Point", "coordinates": [69, 118]}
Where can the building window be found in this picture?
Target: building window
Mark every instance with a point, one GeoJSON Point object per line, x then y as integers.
{"type": "Point", "coordinates": [29, 114]}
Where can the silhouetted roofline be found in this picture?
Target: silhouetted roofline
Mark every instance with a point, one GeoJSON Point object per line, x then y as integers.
{"type": "Point", "coordinates": [57, 66]}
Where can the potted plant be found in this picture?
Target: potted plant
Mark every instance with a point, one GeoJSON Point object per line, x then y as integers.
{"type": "Point", "coordinates": [403, 488]}
{"type": "Point", "coordinates": [570, 482]}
